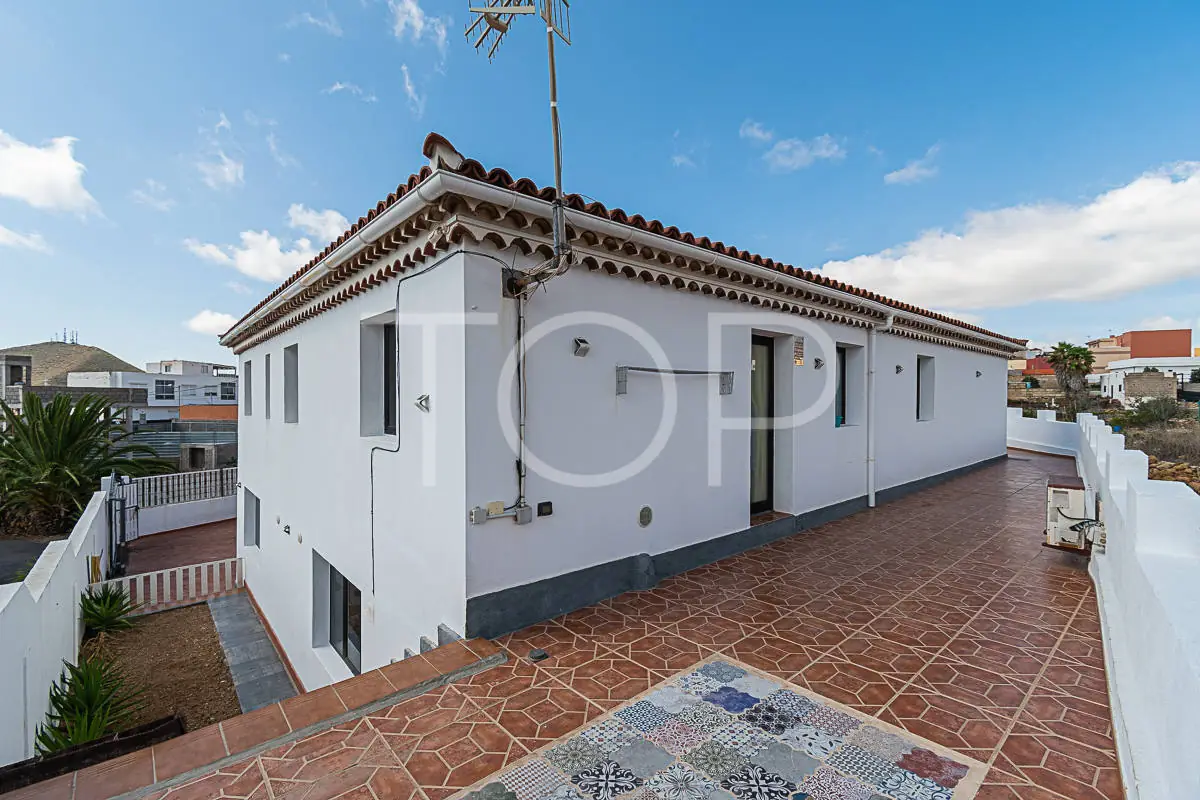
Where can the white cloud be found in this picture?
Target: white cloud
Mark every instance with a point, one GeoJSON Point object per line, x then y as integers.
{"type": "Point", "coordinates": [408, 18]}
{"type": "Point", "coordinates": [970, 319]}
{"type": "Point", "coordinates": [237, 287]}
{"type": "Point", "coordinates": [682, 160]}
{"type": "Point", "coordinates": [212, 323]}
{"type": "Point", "coordinates": [261, 255]}
{"type": "Point", "coordinates": [45, 177]}
{"type": "Point", "coordinates": [328, 23]}
{"type": "Point", "coordinates": [284, 57]}
{"type": "Point", "coordinates": [755, 131]}
{"type": "Point", "coordinates": [415, 100]}
{"type": "Point", "coordinates": [875, 151]}
{"type": "Point", "coordinates": [223, 124]}
{"type": "Point", "coordinates": [327, 224]}
{"type": "Point", "coordinates": [27, 241]}
{"type": "Point", "coordinates": [223, 171]}
{"type": "Point", "coordinates": [281, 158]}
{"type": "Point", "coordinates": [789, 155]}
{"type": "Point", "coordinates": [352, 88]}
{"type": "Point", "coordinates": [154, 194]}
{"type": "Point", "coordinates": [1124, 240]}
{"type": "Point", "coordinates": [917, 170]}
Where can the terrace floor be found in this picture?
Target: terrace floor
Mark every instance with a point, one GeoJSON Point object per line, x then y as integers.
{"type": "Point", "coordinates": [179, 548]}
{"type": "Point", "coordinates": [939, 613]}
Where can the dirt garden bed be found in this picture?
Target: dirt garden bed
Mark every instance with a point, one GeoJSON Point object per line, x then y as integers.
{"type": "Point", "coordinates": [1174, 450]}
{"type": "Point", "coordinates": [175, 658]}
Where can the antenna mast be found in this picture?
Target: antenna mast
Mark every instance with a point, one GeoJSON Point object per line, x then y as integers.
{"type": "Point", "coordinates": [492, 22]}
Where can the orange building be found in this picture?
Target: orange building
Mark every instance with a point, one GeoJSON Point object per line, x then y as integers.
{"type": "Point", "coordinates": [1140, 344]}
{"type": "Point", "coordinates": [208, 413]}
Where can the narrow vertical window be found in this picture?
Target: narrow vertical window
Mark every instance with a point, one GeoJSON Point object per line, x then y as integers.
{"type": "Point", "coordinates": [839, 418]}
{"type": "Point", "coordinates": [267, 386]}
{"type": "Point", "coordinates": [252, 518]}
{"type": "Point", "coordinates": [389, 378]}
{"type": "Point", "coordinates": [247, 389]}
{"type": "Point", "coordinates": [345, 619]}
{"type": "Point", "coordinates": [925, 387]}
{"type": "Point", "coordinates": [291, 383]}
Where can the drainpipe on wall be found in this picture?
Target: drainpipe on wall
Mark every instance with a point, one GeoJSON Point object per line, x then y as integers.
{"type": "Point", "coordinates": [871, 333]}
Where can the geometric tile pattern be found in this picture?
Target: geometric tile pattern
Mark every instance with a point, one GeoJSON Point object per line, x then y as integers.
{"type": "Point", "coordinates": [752, 757]}
{"type": "Point", "coordinates": [939, 613]}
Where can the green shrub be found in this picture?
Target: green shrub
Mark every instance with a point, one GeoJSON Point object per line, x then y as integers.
{"type": "Point", "coordinates": [1156, 411]}
{"type": "Point", "coordinates": [90, 699]}
{"type": "Point", "coordinates": [106, 609]}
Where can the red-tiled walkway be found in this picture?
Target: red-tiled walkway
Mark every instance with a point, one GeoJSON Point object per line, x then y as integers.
{"type": "Point", "coordinates": [195, 545]}
{"type": "Point", "coordinates": [940, 613]}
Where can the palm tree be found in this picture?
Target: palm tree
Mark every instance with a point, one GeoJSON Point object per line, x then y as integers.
{"type": "Point", "coordinates": [53, 456]}
{"type": "Point", "coordinates": [1072, 364]}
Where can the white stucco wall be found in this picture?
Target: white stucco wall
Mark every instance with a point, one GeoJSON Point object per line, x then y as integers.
{"type": "Point", "coordinates": [174, 516]}
{"type": "Point", "coordinates": [577, 423]}
{"type": "Point", "coordinates": [40, 627]}
{"type": "Point", "coordinates": [313, 477]}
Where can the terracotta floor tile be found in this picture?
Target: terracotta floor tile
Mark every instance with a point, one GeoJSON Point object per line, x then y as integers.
{"type": "Point", "coordinates": [774, 655]}
{"type": "Point", "coordinates": [363, 689]}
{"type": "Point", "coordinates": [450, 657]}
{"type": "Point", "coordinates": [115, 777]}
{"type": "Point", "coordinates": [408, 672]}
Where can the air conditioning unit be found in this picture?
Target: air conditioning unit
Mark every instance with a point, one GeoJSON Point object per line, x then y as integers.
{"type": "Point", "coordinates": [1069, 525]}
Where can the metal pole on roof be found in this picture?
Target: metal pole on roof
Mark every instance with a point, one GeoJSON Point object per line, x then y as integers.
{"type": "Point", "coordinates": [493, 22]}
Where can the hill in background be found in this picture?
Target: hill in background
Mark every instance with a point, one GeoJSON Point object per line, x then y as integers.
{"type": "Point", "coordinates": [53, 360]}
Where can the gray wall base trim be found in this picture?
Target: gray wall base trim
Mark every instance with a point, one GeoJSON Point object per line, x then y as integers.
{"type": "Point", "coordinates": [507, 610]}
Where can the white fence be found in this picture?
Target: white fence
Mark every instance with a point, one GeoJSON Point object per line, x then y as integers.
{"type": "Point", "coordinates": [185, 487]}
{"type": "Point", "coordinates": [1148, 582]}
{"type": "Point", "coordinates": [40, 627]}
{"type": "Point", "coordinates": [181, 586]}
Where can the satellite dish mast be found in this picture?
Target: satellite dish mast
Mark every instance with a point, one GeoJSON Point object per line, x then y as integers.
{"type": "Point", "coordinates": [491, 24]}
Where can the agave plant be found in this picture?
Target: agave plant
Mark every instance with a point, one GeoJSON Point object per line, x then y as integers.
{"type": "Point", "coordinates": [90, 699]}
{"type": "Point", "coordinates": [53, 456]}
{"type": "Point", "coordinates": [106, 609]}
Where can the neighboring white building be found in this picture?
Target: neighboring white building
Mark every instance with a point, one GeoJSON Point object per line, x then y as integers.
{"type": "Point", "coordinates": [168, 385]}
{"type": "Point", "coordinates": [1112, 383]}
{"type": "Point", "coordinates": [365, 456]}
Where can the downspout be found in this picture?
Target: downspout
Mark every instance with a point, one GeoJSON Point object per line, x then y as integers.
{"type": "Point", "coordinates": [872, 331]}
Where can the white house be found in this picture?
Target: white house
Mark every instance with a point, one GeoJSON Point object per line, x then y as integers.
{"type": "Point", "coordinates": [1112, 383]}
{"type": "Point", "coordinates": [169, 384]}
{"type": "Point", "coordinates": [389, 494]}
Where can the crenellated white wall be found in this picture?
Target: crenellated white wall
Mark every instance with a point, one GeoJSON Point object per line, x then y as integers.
{"type": "Point", "coordinates": [1146, 582]}
{"type": "Point", "coordinates": [40, 627]}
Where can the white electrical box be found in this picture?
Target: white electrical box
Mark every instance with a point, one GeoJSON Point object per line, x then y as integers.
{"type": "Point", "coordinates": [1067, 516]}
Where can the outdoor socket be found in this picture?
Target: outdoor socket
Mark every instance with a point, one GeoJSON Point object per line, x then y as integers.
{"type": "Point", "coordinates": [545, 508]}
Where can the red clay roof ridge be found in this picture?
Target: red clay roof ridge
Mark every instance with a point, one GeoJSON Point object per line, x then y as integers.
{"type": "Point", "coordinates": [443, 155]}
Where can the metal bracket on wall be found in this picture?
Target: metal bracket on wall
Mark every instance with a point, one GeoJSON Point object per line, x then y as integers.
{"type": "Point", "coordinates": [726, 378]}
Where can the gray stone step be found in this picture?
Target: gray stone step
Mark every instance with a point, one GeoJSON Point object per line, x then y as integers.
{"type": "Point", "coordinates": [259, 677]}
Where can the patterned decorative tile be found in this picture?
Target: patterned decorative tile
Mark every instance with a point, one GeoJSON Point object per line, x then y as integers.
{"type": "Point", "coordinates": [786, 762]}
{"type": "Point", "coordinates": [606, 780]}
{"type": "Point", "coordinates": [887, 746]}
{"type": "Point", "coordinates": [705, 717]}
{"type": "Point", "coordinates": [722, 671]}
{"type": "Point", "coordinates": [672, 699]}
{"type": "Point", "coordinates": [533, 780]}
{"type": "Point", "coordinates": [644, 716]}
{"type": "Point", "coordinates": [731, 699]}
{"type": "Point", "coordinates": [927, 764]}
{"type": "Point", "coordinates": [832, 721]}
{"type": "Point", "coordinates": [675, 737]}
{"type": "Point", "coordinates": [756, 686]}
{"type": "Point", "coordinates": [743, 737]}
{"type": "Point", "coordinates": [827, 784]}
{"type": "Point", "coordinates": [813, 741]}
{"type": "Point", "coordinates": [575, 755]}
{"type": "Point", "coordinates": [904, 785]}
{"type": "Point", "coordinates": [770, 718]}
{"type": "Point", "coordinates": [797, 705]}
{"type": "Point", "coordinates": [610, 735]}
{"type": "Point", "coordinates": [862, 764]}
{"type": "Point", "coordinates": [753, 782]}
{"type": "Point", "coordinates": [680, 782]}
{"type": "Point", "coordinates": [715, 760]}
{"type": "Point", "coordinates": [697, 684]}
{"type": "Point", "coordinates": [644, 758]}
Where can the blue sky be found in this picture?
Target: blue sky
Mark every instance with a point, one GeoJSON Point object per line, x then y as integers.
{"type": "Point", "coordinates": [1031, 167]}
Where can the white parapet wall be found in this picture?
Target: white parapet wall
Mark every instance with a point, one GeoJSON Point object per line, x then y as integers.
{"type": "Point", "coordinates": [1148, 586]}
{"type": "Point", "coordinates": [40, 627]}
{"type": "Point", "coordinates": [158, 519]}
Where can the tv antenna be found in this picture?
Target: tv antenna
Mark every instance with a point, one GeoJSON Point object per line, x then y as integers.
{"type": "Point", "coordinates": [490, 26]}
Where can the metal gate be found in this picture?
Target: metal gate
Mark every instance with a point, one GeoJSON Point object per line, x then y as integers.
{"type": "Point", "coordinates": [122, 520]}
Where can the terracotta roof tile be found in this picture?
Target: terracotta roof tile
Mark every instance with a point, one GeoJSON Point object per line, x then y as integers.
{"type": "Point", "coordinates": [470, 168]}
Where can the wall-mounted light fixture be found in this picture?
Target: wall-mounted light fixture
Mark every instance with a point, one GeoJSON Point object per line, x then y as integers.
{"type": "Point", "coordinates": [899, 368]}
{"type": "Point", "coordinates": [818, 363]}
{"type": "Point", "coordinates": [581, 346]}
